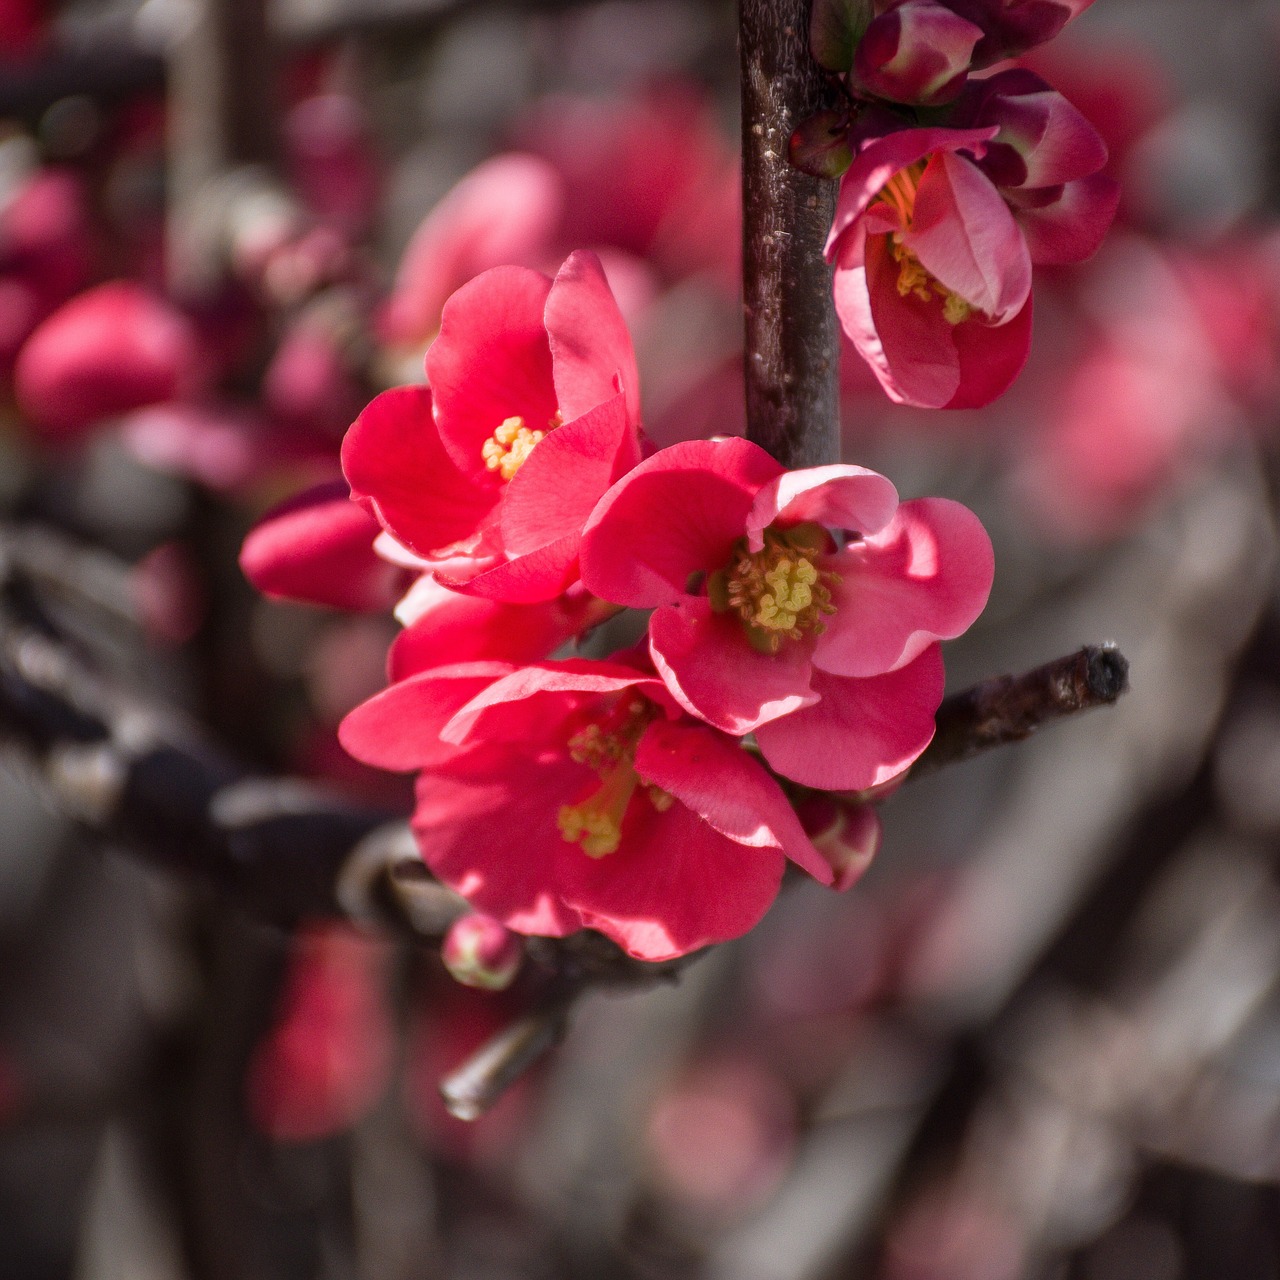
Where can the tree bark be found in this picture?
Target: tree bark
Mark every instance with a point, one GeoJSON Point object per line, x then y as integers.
{"type": "Point", "coordinates": [792, 339]}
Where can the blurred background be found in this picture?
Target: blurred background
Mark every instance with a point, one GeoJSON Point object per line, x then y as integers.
{"type": "Point", "coordinates": [1041, 1038]}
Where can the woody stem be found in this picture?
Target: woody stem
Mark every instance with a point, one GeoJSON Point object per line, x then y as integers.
{"type": "Point", "coordinates": [792, 340]}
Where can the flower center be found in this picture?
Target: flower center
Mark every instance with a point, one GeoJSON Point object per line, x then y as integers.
{"type": "Point", "coordinates": [778, 591]}
{"type": "Point", "coordinates": [914, 279]}
{"type": "Point", "coordinates": [608, 746]}
{"type": "Point", "coordinates": [506, 450]}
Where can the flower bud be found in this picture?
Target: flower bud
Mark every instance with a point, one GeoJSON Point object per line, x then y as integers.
{"type": "Point", "coordinates": [820, 145]}
{"type": "Point", "coordinates": [846, 835]}
{"type": "Point", "coordinates": [111, 349]}
{"type": "Point", "coordinates": [918, 52]}
{"type": "Point", "coordinates": [480, 952]}
{"type": "Point", "coordinates": [1043, 141]}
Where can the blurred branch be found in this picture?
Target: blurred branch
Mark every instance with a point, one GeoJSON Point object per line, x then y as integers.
{"type": "Point", "coordinates": [792, 341]}
{"type": "Point", "coordinates": [1011, 708]}
{"type": "Point", "coordinates": [222, 115]}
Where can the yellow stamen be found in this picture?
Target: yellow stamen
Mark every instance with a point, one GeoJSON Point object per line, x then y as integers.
{"type": "Point", "coordinates": [508, 447]}
{"type": "Point", "coordinates": [778, 591]}
{"type": "Point", "coordinates": [506, 450]}
{"type": "Point", "coordinates": [914, 279]}
{"type": "Point", "coordinates": [596, 822]}
{"type": "Point", "coordinates": [608, 746]}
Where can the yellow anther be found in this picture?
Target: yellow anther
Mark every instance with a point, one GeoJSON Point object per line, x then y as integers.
{"type": "Point", "coordinates": [596, 822]}
{"type": "Point", "coordinates": [661, 800]}
{"type": "Point", "coordinates": [955, 309]}
{"type": "Point", "coordinates": [915, 279]}
{"type": "Point", "coordinates": [778, 591]}
{"type": "Point", "coordinates": [608, 746]}
{"type": "Point", "coordinates": [506, 450]}
{"type": "Point", "coordinates": [599, 834]}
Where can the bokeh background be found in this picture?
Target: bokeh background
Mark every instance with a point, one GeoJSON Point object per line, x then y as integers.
{"type": "Point", "coordinates": [1041, 1038]}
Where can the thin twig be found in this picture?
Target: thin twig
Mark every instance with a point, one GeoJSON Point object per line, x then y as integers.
{"type": "Point", "coordinates": [1011, 708]}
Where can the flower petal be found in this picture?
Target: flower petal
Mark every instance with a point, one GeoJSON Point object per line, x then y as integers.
{"type": "Point", "coordinates": [540, 575]}
{"type": "Point", "coordinates": [881, 159]}
{"type": "Point", "coordinates": [712, 671]}
{"type": "Point", "coordinates": [965, 236]}
{"type": "Point", "coordinates": [591, 352]}
{"type": "Point", "coordinates": [839, 496]}
{"type": "Point", "coordinates": [673, 886]}
{"type": "Point", "coordinates": [881, 724]}
{"type": "Point", "coordinates": [717, 779]}
{"type": "Point", "coordinates": [924, 578]}
{"type": "Point", "coordinates": [449, 628]}
{"type": "Point", "coordinates": [565, 475]}
{"type": "Point", "coordinates": [677, 513]}
{"type": "Point", "coordinates": [491, 362]}
{"type": "Point", "coordinates": [318, 547]}
{"type": "Point", "coordinates": [532, 697]}
{"type": "Point", "coordinates": [1073, 226]}
{"type": "Point", "coordinates": [394, 461]}
{"type": "Point", "coordinates": [906, 340]}
{"type": "Point", "coordinates": [497, 843]}
{"type": "Point", "coordinates": [991, 357]}
{"type": "Point", "coordinates": [399, 728]}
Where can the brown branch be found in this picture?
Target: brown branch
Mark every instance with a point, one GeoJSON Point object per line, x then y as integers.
{"type": "Point", "coordinates": [1011, 708]}
{"type": "Point", "coordinates": [792, 340]}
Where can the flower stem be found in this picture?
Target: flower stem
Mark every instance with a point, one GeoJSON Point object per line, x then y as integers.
{"type": "Point", "coordinates": [792, 340]}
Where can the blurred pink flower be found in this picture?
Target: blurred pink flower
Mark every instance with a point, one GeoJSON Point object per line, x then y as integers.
{"type": "Point", "coordinates": [113, 348]}
{"type": "Point", "coordinates": [328, 1057]}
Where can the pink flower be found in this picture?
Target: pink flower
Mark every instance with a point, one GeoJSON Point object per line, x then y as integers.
{"type": "Point", "coordinates": [917, 51]}
{"type": "Point", "coordinates": [318, 547]}
{"type": "Point", "coordinates": [570, 795]}
{"type": "Point", "coordinates": [936, 231]}
{"type": "Point", "coordinates": [114, 348]}
{"type": "Point", "coordinates": [328, 1057]}
{"type": "Point", "coordinates": [532, 413]}
{"type": "Point", "coordinates": [763, 622]}
{"type": "Point", "coordinates": [504, 211]}
{"type": "Point", "coordinates": [1012, 27]}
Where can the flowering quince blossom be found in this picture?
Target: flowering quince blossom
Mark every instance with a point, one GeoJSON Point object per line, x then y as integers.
{"type": "Point", "coordinates": [936, 231]}
{"type": "Point", "coordinates": [765, 623]}
{"type": "Point", "coordinates": [532, 412]}
{"type": "Point", "coordinates": [918, 51]}
{"type": "Point", "coordinates": [1011, 27]}
{"type": "Point", "coordinates": [571, 795]}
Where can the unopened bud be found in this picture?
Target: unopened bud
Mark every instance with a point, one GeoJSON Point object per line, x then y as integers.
{"type": "Point", "coordinates": [918, 52]}
{"type": "Point", "coordinates": [846, 835]}
{"type": "Point", "coordinates": [481, 952]}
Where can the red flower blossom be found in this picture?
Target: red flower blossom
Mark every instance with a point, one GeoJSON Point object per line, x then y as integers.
{"type": "Point", "coordinates": [571, 795]}
{"type": "Point", "coordinates": [533, 412]}
{"type": "Point", "coordinates": [936, 231]}
{"type": "Point", "coordinates": [764, 623]}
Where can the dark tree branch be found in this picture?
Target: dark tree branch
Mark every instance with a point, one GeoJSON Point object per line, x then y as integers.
{"type": "Point", "coordinates": [1011, 708]}
{"type": "Point", "coordinates": [792, 340]}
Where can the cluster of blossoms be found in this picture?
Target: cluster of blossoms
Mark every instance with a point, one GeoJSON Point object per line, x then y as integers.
{"type": "Point", "coordinates": [954, 186]}
{"type": "Point", "coordinates": [792, 644]}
